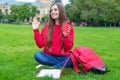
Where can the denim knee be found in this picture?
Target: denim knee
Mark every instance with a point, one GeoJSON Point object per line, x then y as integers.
{"type": "Point", "coordinates": [37, 55]}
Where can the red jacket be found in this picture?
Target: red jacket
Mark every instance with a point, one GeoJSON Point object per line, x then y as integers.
{"type": "Point", "coordinates": [40, 39]}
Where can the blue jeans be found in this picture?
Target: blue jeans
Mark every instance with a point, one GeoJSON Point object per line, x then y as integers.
{"type": "Point", "coordinates": [52, 60]}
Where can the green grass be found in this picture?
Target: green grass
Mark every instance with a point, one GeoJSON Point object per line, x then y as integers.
{"type": "Point", "coordinates": [17, 48]}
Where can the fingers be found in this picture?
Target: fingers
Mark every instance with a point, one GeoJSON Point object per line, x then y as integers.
{"type": "Point", "coordinates": [35, 23]}
{"type": "Point", "coordinates": [35, 20]}
{"type": "Point", "coordinates": [66, 29]}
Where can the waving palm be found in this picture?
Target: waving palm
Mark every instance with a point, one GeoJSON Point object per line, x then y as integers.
{"type": "Point", "coordinates": [35, 23]}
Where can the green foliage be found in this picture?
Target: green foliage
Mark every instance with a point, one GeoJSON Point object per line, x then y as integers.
{"type": "Point", "coordinates": [94, 10]}
{"type": "Point", "coordinates": [69, 12]}
{"type": "Point", "coordinates": [71, 1]}
{"type": "Point", "coordinates": [23, 11]}
{"type": "Point", "coordinates": [17, 48]}
{"type": "Point", "coordinates": [59, 1]}
{"type": "Point", "coordinates": [14, 11]}
{"type": "Point", "coordinates": [1, 14]}
{"type": "Point", "coordinates": [45, 19]}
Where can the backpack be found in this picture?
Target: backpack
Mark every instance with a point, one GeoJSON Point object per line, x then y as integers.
{"type": "Point", "coordinates": [88, 59]}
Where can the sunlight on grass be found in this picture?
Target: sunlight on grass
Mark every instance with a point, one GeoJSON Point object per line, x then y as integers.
{"type": "Point", "coordinates": [17, 48]}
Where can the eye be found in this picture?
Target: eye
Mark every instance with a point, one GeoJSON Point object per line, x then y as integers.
{"type": "Point", "coordinates": [55, 9]}
{"type": "Point", "coordinates": [50, 11]}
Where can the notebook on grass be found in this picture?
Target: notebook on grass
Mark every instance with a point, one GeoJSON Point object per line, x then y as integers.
{"type": "Point", "coordinates": [54, 73]}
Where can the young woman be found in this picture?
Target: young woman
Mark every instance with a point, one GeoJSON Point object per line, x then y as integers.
{"type": "Point", "coordinates": [56, 38]}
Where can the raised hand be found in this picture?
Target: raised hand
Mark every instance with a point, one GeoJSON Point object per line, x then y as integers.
{"type": "Point", "coordinates": [35, 23]}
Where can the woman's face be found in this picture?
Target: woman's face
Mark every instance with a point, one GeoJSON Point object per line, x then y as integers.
{"type": "Point", "coordinates": [54, 12]}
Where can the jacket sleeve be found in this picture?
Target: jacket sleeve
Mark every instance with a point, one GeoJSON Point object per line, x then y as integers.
{"type": "Point", "coordinates": [69, 40]}
{"type": "Point", "coordinates": [39, 40]}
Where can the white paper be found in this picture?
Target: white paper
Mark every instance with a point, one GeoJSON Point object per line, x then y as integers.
{"type": "Point", "coordinates": [38, 66]}
{"type": "Point", "coordinates": [54, 73]}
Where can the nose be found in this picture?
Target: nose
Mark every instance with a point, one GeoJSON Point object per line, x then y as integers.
{"type": "Point", "coordinates": [53, 11]}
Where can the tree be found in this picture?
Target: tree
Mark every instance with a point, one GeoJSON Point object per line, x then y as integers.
{"type": "Point", "coordinates": [59, 1]}
{"type": "Point", "coordinates": [73, 12]}
{"type": "Point", "coordinates": [14, 11]}
{"type": "Point", "coordinates": [24, 11]}
{"type": "Point", "coordinates": [94, 12]}
{"type": "Point", "coordinates": [45, 19]}
{"type": "Point", "coordinates": [71, 1]}
{"type": "Point", "coordinates": [1, 14]}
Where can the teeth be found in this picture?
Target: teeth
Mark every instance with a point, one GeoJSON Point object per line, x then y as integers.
{"type": "Point", "coordinates": [53, 15]}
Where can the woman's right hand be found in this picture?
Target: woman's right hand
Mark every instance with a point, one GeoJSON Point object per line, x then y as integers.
{"type": "Point", "coordinates": [35, 23]}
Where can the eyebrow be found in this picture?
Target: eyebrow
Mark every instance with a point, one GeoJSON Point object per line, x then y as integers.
{"type": "Point", "coordinates": [53, 9]}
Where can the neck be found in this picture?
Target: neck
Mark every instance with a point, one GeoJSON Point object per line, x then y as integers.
{"type": "Point", "coordinates": [57, 22]}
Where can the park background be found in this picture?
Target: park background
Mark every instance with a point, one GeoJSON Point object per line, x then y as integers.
{"type": "Point", "coordinates": [96, 25]}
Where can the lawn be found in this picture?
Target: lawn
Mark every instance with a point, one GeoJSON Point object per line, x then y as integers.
{"type": "Point", "coordinates": [17, 48]}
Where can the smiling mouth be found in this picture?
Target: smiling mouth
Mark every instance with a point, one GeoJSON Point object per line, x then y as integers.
{"type": "Point", "coordinates": [54, 15]}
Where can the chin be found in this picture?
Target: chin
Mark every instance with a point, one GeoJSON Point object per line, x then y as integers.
{"type": "Point", "coordinates": [54, 17]}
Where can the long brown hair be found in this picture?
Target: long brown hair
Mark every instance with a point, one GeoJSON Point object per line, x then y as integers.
{"type": "Point", "coordinates": [51, 22]}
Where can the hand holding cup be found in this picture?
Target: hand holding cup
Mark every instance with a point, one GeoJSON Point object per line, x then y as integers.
{"type": "Point", "coordinates": [66, 28]}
